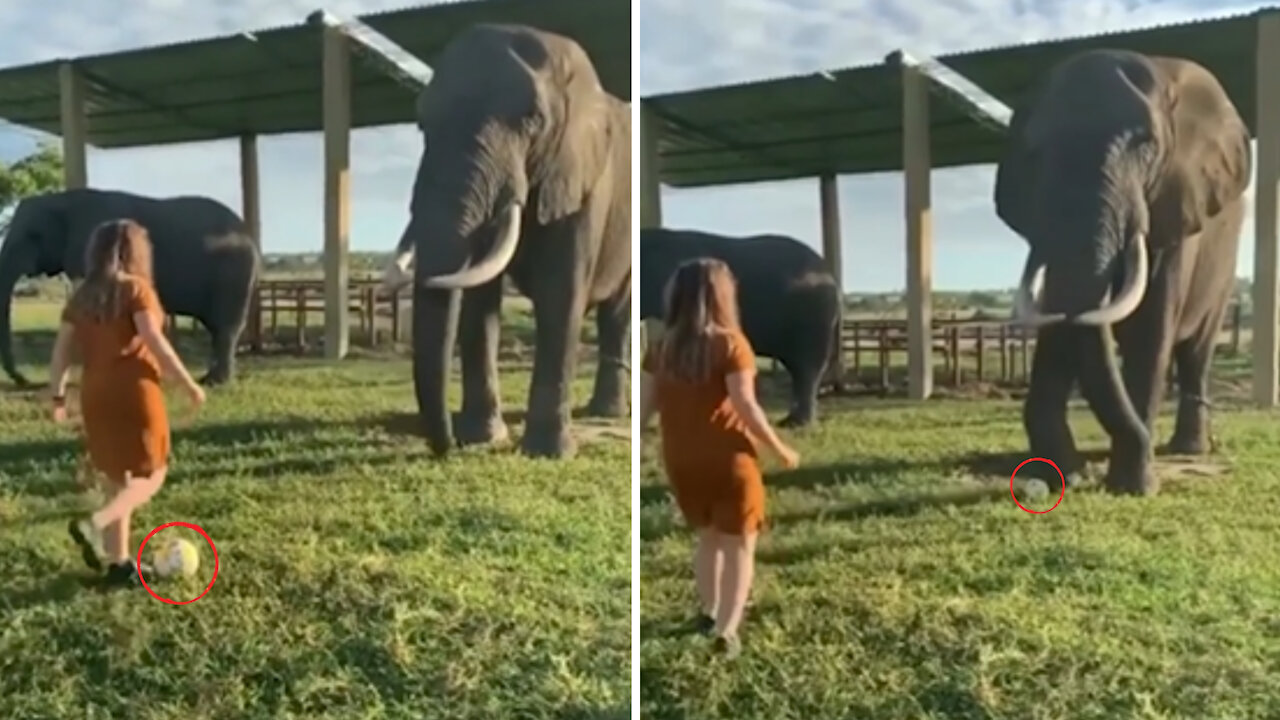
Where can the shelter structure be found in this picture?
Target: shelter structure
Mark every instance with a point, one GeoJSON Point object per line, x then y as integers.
{"type": "Point", "coordinates": [879, 118]}
{"type": "Point", "coordinates": [297, 78]}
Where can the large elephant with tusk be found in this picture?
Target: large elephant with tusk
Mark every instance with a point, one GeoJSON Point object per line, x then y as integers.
{"type": "Point", "coordinates": [525, 172]}
{"type": "Point", "coordinates": [1126, 175]}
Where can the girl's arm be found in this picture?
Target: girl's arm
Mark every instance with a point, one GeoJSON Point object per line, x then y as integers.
{"type": "Point", "coordinates": [742, 395]}
{"type": "Point", "coordinates": [61, 362]}
{"type": "Point", "coordinates": [647, 405]}
{"type": "Point", "coordinates": [153, 336]}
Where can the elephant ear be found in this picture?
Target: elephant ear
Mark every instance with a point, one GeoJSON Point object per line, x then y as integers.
{"type": "Point", "coordinates": [1016, 170]}
{"type": "Point", "coordinates": [1209, 161]}
{"type": "Point", "coordinates": [576, 142]}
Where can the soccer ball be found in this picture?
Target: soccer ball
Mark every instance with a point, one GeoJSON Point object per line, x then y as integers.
{"type": "Point", "coordinates": [1035, 490]}
{"type": "Point", "coordinates": [176, 557]}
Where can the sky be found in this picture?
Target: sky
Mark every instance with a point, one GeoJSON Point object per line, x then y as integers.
{"type": "Point", "coordinates": [688, 44]}
{"type": "Point", "coordinates": [383, 160]}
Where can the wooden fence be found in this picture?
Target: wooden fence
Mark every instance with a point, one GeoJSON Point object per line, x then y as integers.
{"type": "Point", "coordinates": [972, 350]}
{"type": "Point", "coordinates": [290, 316]}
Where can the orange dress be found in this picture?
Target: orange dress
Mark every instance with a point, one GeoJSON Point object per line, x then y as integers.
{"type": "Point", "coordinates": [710, 459]}
{"type": "Point", "coordinates": [125, 424]}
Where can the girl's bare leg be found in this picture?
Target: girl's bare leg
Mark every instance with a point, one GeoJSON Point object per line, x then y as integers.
{"type": "Point", "coordinates": [113, 518]}
{"type": "Point", "coordinates": [735, 581]}
{"type": "Point", "coordinates": [708, 562]}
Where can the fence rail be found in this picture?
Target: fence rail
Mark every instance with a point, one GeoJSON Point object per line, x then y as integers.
{"type": "Point", "coordinates": [972, 350]}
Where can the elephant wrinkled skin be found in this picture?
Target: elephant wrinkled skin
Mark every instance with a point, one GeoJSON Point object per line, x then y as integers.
{"type": "Point", "coordinates": [788, 302]}
{"type": "Point", "coordinates": [206, 262]}
{"type": "Point", "coordinates": [525, 172]}
{"type": "Point", "coordinates": [1125, 174]}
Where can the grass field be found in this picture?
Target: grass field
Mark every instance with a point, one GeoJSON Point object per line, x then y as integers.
{"type": "Point", "coordinates": [900, 581]}
{"type": "Point", "coordinates": [359, 577]}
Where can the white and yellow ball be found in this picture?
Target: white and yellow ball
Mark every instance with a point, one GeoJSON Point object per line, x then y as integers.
{"type": "Point", "coordinates": [176, 557]}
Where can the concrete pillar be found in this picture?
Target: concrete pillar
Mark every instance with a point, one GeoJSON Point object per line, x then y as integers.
{"type": "Point", "coordinates": [75, 127]}
{"type": "Point", "coordinates": [251, 209]}
{"type": "Point", "coordinates": [829, 202]}
{"type": "Point", "coordinates": [337, 192]}
{"type": "Point", "coordinates": [1266, 318]}
{"type": "Point", "coordinates": [650, 196]}
{"type": "Point", "coordinates": [916, 163]}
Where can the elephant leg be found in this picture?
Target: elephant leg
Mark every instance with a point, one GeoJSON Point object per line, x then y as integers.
{"type": "Point", "coordinates": [806, 375]}
{"type": "Point", "coordinates": [613, 323]}
{"type": "Point", "coordinates": [1129, 468]}
{"type": "Point", "coordinates": [480, 420]}
{"type": "Point", "coordinates": [559, 304]}
{"type": "Point", "coordinates": [1193, 359]}
{"type": "Point", "coordinates": [1044, 413]}
{"type": "Point", "coordinates": [223, 357]}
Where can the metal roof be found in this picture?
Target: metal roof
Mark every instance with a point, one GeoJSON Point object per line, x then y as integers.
{"type": "Point", "coordinates": [270, 81]}
{"type": "Point", "coordinates": [807, 125]}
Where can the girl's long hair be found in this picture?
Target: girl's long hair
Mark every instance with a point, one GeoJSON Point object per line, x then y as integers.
{"type": "Point", "coordinates": [701, 305]}
{"type": "Point", "coordinates": [117, 250]}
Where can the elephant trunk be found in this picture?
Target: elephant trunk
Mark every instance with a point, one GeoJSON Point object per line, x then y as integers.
{"type": "Point", "coordinates": [11, 268]}
{"type": "Point", "coordinates": [435, 327]}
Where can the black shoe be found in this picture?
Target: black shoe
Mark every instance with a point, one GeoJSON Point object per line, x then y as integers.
{"type": "Point", "coordinates": [704, 624]}
{"type": "Point", "coordinates": [728, 646]}
{"type": "Point", "coordinates": [89, 540]}
{"type": "Point", "coordinates": [125, 574]}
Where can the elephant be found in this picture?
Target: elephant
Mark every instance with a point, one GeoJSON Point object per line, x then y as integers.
{"type": "Point", "coordinates": [525, 172]}
{"type": "Point", "coordinates": [788, 301]}
{"type": "Point", "coordinates": [206, 261]}
{"type": "Point", "coordinates": [1125, 174]}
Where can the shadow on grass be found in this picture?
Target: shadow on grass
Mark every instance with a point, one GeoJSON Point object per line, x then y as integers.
{"type": "Point", "coordinates": [59, 588]}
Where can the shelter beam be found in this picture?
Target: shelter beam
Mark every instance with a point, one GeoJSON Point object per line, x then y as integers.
{"type": "Point", "coordinates": [829, 203]}
{"type": "Point", "coordinates": [650, 193]}
{"type": "Point", "coordinates": [1266, 317]}
{"type": "Point", "coordinates": [75, 127]}
{"type": "Point", "coordinates": [337, 191]}
{"type": "Point", "coordinates": [919, 225]}
{"type": "Point", "coordinates": [251, 210]}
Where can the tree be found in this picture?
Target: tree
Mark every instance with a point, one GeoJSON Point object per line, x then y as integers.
{"type": "Point", "coordinates": [40, 172]}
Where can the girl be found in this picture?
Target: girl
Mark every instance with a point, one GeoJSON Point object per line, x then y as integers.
{"type": "Point", "coordinates": [114, 318]}
{"type": "Point", "coordinates": [700, 378]}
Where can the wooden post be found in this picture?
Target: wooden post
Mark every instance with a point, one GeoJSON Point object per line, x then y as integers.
{"type": "Point", "coordinates": [916, 164]}
{"type": "Point", "coordinates": [829, 202]}
{"type": "Point", "coordinates": [650, 196]}
{"type": "Point", "coordinates": [251, 209]}
{"type": "Point", "coordinates": [75, 127]}
{"type": "Point", "coordinates": [337, 192]}
{"type": "Point", "coordinates": [1266, 262]}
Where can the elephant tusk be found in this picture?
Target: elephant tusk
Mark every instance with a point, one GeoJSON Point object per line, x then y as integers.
{"type": "Point", "coordinates": [396, 275]}
{"type": "Point", "coordinates": [492, 265]}
{"type": "Point", "coordinates": [1135, 287]}
{"type": "Point", "coordinates": [1026, 301]}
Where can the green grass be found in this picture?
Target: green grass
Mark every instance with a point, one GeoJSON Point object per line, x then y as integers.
{"type": "Point", "coordinates": [899, 580]}
{"type": "Point", "coordinates": [359, 577]}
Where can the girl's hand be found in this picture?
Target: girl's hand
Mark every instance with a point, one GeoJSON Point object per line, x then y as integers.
{"type": "Point", "coordinates": [59, 413]}
{"type": "Point", "coordinates": [196, 395]}
{"type": "Point", "coordinates": [789, 457]}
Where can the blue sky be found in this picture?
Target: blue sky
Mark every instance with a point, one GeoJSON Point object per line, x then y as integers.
{"type": "Point", "coordinates": [685, 45]}
{"type": "Point", "coordinates": [383, 159]}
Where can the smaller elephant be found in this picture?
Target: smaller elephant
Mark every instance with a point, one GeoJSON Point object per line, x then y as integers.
{"type": "Point", "coordinates": [206, 261]}
{"type": "Point", "coordinates": [788, 301]}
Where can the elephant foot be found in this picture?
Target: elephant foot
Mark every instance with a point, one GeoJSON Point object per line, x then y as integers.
{"type": "Point", "coordinates": [474, 429]}
{"type": "Point", "coordinates": [1131, 474]}
{"type": "Point", "coordinates": [549, 440]}
{"type": "Point", "coordinates": [795, 419]}
{"type": "Point", "coordinates": [1190, 445]}
{"type": "Point", "coordinates": [607, 408]}
{"type": "Point", "coordinates": [214, 378]}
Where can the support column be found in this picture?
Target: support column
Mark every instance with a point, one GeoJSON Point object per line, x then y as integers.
{"type": "Point", "coordinates": [650, 197]}
{"type": "Point", "coordinates": [829, 202]}
{"type": "Point", "coordinates": [75, 127]}
{"type": "Point", "coordinates": [916, 164]}
{"type": "Point", "coordinates": [251, 210]}
{"type": "Point", "coordinates": [337, 192]}
{"type": "Point", "coordinates": [1266, 318]}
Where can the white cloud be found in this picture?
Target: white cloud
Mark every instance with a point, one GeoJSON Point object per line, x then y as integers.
{"type": "Point", "coordinates": [383, 159]}
{"type": "Point", "coordinates": [685, 45]}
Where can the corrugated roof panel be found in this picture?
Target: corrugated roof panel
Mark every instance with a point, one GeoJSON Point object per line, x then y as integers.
{"type": "Point", "coordinates": [808, 124]}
